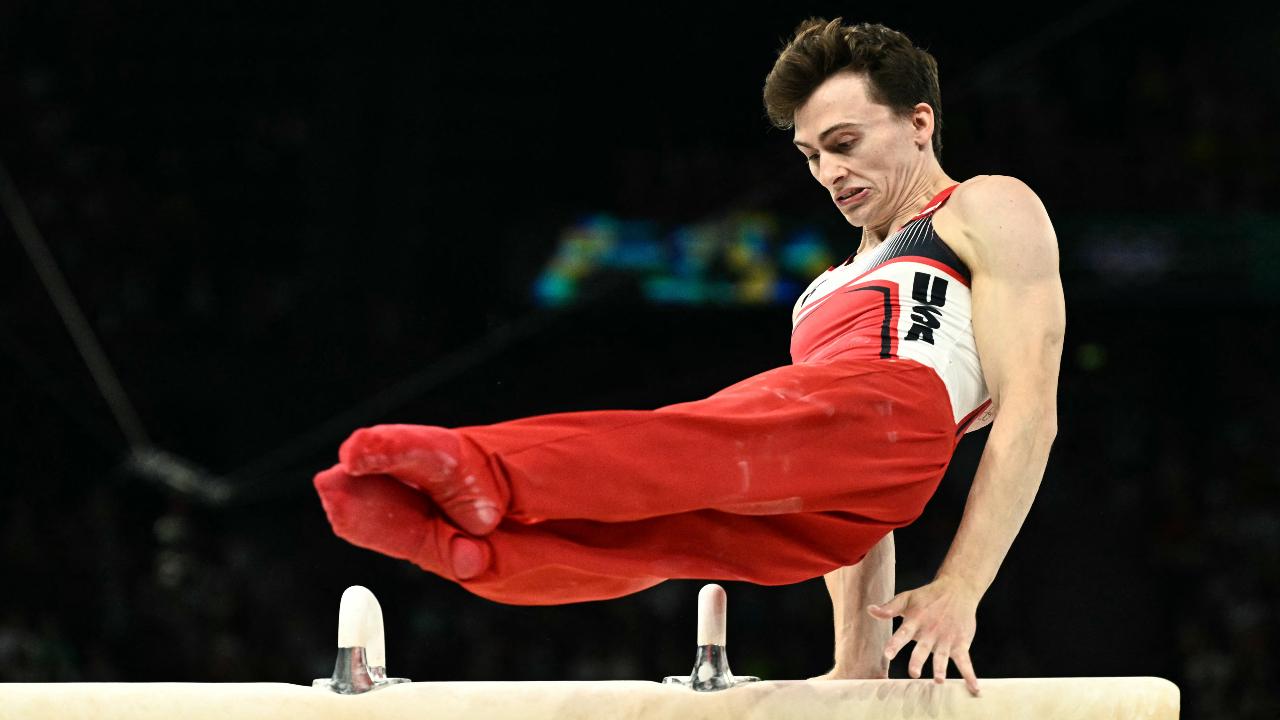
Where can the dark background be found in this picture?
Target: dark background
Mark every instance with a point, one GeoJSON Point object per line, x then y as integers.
{"type": "Point", "coordinates": [270, 215]}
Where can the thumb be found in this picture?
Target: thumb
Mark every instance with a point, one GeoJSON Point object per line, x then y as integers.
{"type": "Point", "coordinates": [891, 609]}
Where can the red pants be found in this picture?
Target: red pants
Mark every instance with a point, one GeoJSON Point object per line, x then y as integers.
{"type": "Point", "coordinates": [779, 478]}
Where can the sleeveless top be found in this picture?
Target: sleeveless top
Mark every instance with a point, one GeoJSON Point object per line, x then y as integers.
{"type": "Point", "coordinates": [906, 298]}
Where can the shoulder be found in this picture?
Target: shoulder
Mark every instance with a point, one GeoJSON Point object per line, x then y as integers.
{"type": "Point", "coordinates": [984, 199]}
{"type": "Point", "coordinates": [991, 215]}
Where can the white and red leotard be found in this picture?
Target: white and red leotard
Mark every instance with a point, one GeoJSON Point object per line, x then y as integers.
{"type": "Point", "coordinates": [906, 298]}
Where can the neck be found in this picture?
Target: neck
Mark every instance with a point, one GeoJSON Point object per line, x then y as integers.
{"type": "Point", "coordinates": [914, 199]}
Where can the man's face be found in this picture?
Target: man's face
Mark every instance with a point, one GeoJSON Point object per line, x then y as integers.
{"type": "Point", "coordinates": [852, 143]}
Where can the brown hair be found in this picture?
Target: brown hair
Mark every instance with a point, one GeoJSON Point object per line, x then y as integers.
{"type": "Point", "coordinates": [899, 74]}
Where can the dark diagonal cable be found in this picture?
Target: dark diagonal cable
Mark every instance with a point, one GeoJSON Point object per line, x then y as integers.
{"type": "Point", "coordinates": [86, 342]}
{"type": "Point", "coordinates": [151, 462]}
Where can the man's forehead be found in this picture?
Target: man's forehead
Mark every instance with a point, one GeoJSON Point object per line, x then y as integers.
{"type": "Point", "coordinates": [840, 101]}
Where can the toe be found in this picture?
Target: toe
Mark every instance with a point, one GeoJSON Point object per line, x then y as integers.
{"type": "Point", "coordinates": [469, 557]}
{"type": "Point", "coordinates": [478, 516]}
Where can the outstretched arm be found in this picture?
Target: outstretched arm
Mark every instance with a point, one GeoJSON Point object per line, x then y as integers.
{"type": "Point", "coordinates": [860, 638]}
{"type": "Point", "coordinates": [1018, 324]}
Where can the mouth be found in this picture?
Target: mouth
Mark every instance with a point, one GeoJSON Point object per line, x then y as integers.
{"type": "Point", "coordinates": [852, 196]}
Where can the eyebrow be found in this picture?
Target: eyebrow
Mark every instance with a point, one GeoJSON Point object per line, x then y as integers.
{"type": "Point", "coordinates": [828, 131]}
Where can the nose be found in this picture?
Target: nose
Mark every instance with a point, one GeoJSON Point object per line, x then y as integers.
{"type": "Point", "coordinates": [831, 172]}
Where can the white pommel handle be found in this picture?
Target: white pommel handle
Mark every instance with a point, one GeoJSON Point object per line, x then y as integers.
{"type": "Point", "coordinates": [712, 603]}
{"type": "Point", "coordinates": [360, 625]}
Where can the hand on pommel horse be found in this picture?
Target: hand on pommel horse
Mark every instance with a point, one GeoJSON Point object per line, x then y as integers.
{"type": "Point", "coordinates": [865, 641]}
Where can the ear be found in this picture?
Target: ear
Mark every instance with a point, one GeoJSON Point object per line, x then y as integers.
{"type": "Point", "coordinates": [922, 124]}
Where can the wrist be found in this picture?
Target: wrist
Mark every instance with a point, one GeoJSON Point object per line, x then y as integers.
{"type": "Point", "coordinates": [856, 644]}
{"type": "Point", "coordinates": [964, 582]}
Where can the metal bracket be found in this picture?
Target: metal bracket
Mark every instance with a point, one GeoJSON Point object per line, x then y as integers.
{"type": "Point", "coordinates": [711, 665]}
{"type": "Point", "coordinates": [361, 664]}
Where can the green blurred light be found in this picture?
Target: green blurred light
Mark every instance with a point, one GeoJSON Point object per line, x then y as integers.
{"type": "Point", "coordinates": [1091, 356]}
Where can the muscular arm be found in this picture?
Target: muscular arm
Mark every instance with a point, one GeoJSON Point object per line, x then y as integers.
{"type": "Point", "coordinates": [860, 638]}
{"type": "Point", "coordinates": [1018, 324]}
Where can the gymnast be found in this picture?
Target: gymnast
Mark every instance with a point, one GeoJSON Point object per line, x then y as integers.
{"type": "Point", "coordinates": [805, 469]}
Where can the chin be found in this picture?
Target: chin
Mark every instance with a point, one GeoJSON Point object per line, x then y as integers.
{"type": "Point", "coordinates": [853, 218]}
